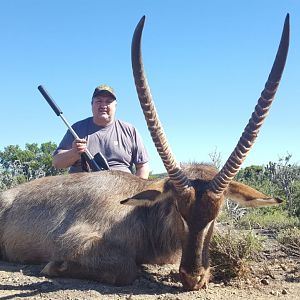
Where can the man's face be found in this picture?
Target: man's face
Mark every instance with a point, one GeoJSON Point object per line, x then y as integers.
{"type": "Point", "coordinates": [104, 109]}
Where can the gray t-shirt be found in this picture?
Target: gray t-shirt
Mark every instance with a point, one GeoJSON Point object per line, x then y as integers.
{"type": "Point", "coordinates": [119, 142]}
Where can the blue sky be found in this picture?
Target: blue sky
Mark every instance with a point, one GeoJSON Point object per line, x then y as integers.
{"type": "Point", "coordinates": [206, 62]}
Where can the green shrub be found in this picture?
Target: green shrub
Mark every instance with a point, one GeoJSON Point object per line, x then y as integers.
{"type": "Point", "coordinates": [271, 220]}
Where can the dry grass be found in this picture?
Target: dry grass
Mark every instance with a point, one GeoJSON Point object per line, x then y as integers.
{"type": "Point", "coordinates": [290, 241]}
{"type": "Point", "coordinates": [231, 253]}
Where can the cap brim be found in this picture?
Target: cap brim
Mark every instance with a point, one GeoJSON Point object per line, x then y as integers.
{"type": "Point", "coordinates": [97, 93]}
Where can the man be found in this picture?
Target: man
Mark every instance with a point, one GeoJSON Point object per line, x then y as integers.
{"type": "Point", "coordinates": [118, 141]}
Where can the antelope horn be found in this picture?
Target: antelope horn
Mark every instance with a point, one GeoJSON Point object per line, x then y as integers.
{"type": "Point", "coordinates": [176, 174]}
{"type": "Point", "coordinates": [234, 162]}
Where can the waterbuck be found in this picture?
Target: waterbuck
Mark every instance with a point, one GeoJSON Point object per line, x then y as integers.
{"type": "Point", "coordinates": [103, 225]}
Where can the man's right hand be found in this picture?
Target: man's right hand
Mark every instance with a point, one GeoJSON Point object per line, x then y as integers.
{"type": "Point", "coordinates": [66, 158]}
{"type": "Point", "coordinates": [79, 145]}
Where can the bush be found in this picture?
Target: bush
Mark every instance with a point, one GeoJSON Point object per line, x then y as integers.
{"type": "Point", "coordinates": [290, 241]}
{"type": "Point", "coordinates": [280, 179]}
{"type": "Point", "coordinates": [18, 166]}
{"type": "Point", "coordinates": [269, 219]}
{"type": "Point", "coordinates": [231, 253]}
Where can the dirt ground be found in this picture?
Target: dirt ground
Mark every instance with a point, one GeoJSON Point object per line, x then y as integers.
{"type": "Point", "coordinates": [275, 276]}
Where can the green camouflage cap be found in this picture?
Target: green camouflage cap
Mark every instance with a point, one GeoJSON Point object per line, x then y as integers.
{"type": "Point", "coordinates": [104, 88]}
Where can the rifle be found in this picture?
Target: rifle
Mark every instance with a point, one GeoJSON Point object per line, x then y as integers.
{"type": "Point", "coordinates": [97, 162]}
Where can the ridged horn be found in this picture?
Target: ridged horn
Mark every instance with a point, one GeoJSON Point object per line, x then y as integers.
{"type": "Point", "coordinates": [176, 174]}
{"type": "Point", "coordinates": [234, 162]}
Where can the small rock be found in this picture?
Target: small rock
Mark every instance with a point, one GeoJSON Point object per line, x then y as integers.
{"type": "Point", "coordinates": [283, 267]}
{"type": "Point", "coordinates": [265, 281]}
{"type": "Point", "coordinates": [274, 293]}
{"type": "Point", "coordinates": [284, 292]}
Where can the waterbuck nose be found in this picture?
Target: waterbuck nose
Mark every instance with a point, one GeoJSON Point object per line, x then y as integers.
{"type": "Point", "coordinates": [193, 282]}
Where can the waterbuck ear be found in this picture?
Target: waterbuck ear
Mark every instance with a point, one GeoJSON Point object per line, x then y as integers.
{"type": "Point", "coordinates": [249, 197]}
{"type": "Point", "coordinates": [154, 192]}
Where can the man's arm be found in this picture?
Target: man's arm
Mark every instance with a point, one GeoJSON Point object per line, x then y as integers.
{"type": "Point", "coordinates": [66, 158]}
{"type": "Point", "coordinates": [142, 170]}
